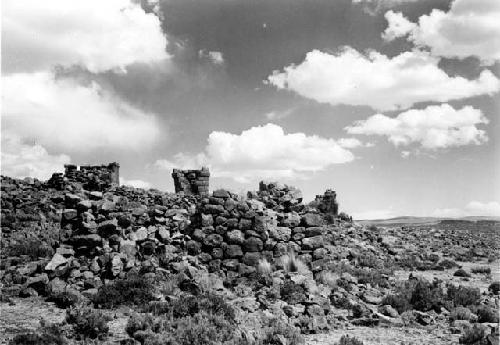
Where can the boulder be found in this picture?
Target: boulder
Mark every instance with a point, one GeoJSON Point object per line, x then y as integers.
{"type": "Point", "coordinates": [56, 261]}
{"type": "Point", "coordinates": [312, 219]}
{"type": "Point", "coordinates": [253, 244]}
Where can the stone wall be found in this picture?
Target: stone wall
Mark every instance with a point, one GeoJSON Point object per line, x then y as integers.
{"type": "Point", "coordinates": [327, 203]}
{"type": "Point", "coordinates": [92, 177]}
{"type": "Point", "coordinates": [191, 182]}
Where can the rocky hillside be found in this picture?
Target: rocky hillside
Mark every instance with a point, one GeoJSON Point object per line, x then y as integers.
{"type": "Point", "coordinates": [268, 256]}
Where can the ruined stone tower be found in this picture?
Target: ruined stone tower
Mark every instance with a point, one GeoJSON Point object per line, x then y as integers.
{"type": "Point", "coordinates": [191, 182]}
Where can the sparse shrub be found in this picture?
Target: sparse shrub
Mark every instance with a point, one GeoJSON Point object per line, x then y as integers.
{"type": "Point", "coordinates": [281, 333]}
{"type": "Point", "coordinates": [461, 273]}
{"type": "Point", "coordinates": [292, 293]}
{"type": "Point", "coordinates": [327, 278]}
{"type": "Point", "coordinates": [372, 227]}
{"type": "Point", "coordinates": [342, 303]}
{"type": "Point", "coordinates": [34, 248]}
{"type": "Point", "coordinates": [88, 323]}
{"type": "Point", "coordinates": [347, 340]}
{"type": "Point", "coordinates": [291, 263]}
{"type": "Point", "coordinates": [481, 270]}
{"type": "Point", "coordinates": [368, 260]}
{"type": "Point", "coordinates": [486, 314]}
{"type": "Point", "coordinates": [44, 335]}
{"type": "Point", "coordinates": [133, 290]}
{"type": "Point", "coordinates": [408, 318]}
{"type": "Point", "coordinates": [64, 299]}
{"type": "Point", "coordinates": [426, 296]}
{"type": "Point", "coordinates": [460, 313]}
{"type": "Point", "coordinates": [398, 302]}
{"type": "Point", "coordinates": [473, 336]}
{"type": "Point", "coordinates": [463, 296]}
{"type": "Point", "coordinates": [264, 267]}
{"type": "Point", "coordinates": [494, 288]}
{"type": "Point", "coordinates": [373, 277]}
{"type": "Point", "coordinates": [447, 264]}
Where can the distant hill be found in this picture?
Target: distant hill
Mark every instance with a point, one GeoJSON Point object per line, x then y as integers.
{"type": "Point", "coordinates": [422, 220]}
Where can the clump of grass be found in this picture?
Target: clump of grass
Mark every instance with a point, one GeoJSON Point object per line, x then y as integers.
{"type": "Point", "coordinates": [34, 248]}
{"type": "Point", "coordinates": [473, 335]}
{"type": "Point", "coordinates": [88, 323]}
{"type": "Point", "coordinates": [486, 314]}
{"type": "Point", "coordinates": [44, 335]}
{"type": "Point", "coordinates": [347, 340]}
{"type": "Point", "coordinates": [264, 267]}
{"type": "Point", "coordinates": [463, 296]}
{"type": "Point", "coordinates": [494, 288]}
{"type": "Point", "coordinates": [460, 313]}
{"type": "Point", "coordinates": [461, 273]}
{"type": "Point", "coordinates": [291, 263]}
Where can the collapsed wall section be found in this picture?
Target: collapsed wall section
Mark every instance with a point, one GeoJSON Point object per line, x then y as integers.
{"type": "Point", "coordinates": [92, 177]}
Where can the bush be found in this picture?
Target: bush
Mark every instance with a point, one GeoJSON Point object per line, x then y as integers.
{"type": "Point", "coordinates": [463, 296]}
{"type": "Point", "coordinates": [426, 296]}
{"type": "Point", "coordinates": [291, 263]}
{"type": "Point", "coordinates": [447, 264]}
{"type": "Point", "coordinates": [494, 288]}
{"type": "Point", "coordinates": [292, 293]}
{"type": "Point", "coordinates": [88, 323]}
{"type": "Point", "coordinates": [460, 313]}
{"type": "Point", "coordinates": [398, 302]}
{"type": "Point", "coordinates": [279, 332]}
{"type": "Point", "coordinates": [347, 340]}
{"type": "Point", "coordinates": [481, 270]}
{"type": "Point", "coordinates": [45, 335]}
{"type": "Point", "coordinates": [133, 290]}
{"type": "Point", "coordinates": [486, 314]}
{"type": "Point", "coordinates": [461, 273]}
{"type": "Point", "coordinates": [264, 267]}
{"type": "Point", "coordinates": [473, 335]}
{"type": "Point", "coordinates": [34, 248]}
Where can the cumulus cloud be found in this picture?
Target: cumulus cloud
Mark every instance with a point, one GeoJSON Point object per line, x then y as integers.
{"type": "Point", "coordinates": [214, 56]}
{"type": "Point", "coordinates": [378, 81]}
{"type": "Point", "coordinates": [434, 127]}
{"type": "Point", "coordinates": [373, 7]}
{"type": "Point", "coordinates": [63, 115]}
{"type": "Point", "coordinates": [263, 152]}
{"type": "Point", "coordinates": [135, 183]}
{"type": "Point", "coordinates": [351, 143]}
{"type": "Point", "coordinates": [99, 35]}
{"type": "Point", "coordinates": [473, 208]}
{"type": "Point", "coordinates": [19, 159]}
{"type": "Point", "coordinates": [469, 28]}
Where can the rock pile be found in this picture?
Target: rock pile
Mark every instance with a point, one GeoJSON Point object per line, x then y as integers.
{"type": "Point", "coordinates": [92, 177]}
{"type": "Point", "coordinates": [277, 196]}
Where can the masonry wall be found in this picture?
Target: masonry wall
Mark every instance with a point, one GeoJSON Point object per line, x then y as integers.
{"type": "Point", "coordinates": [191, 182]}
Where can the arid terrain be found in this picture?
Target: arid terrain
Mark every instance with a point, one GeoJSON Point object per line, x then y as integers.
{"type": "Point", "coordinates": [85, 261]}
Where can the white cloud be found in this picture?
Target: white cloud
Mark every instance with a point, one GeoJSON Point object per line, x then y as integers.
{"type": "Point", "coordinates": [63, 115]}
{"type": "Point", "coordinates": [399, 26]}
{"type": "Point", "coordinates": [373, 7]}
{"type": "Point", "coordinates": [434, 127]}
{"type": "Point", "coordinates": [279, 114]}
{"type": "Point", "coordinates": [405, 154]}
{"type": "Point", "coordinates": [263, 152]}
{"type": "Point", "coordinates": [214, 56]}
{"type": "Point", "coordinates": [22, 160]}
{"type": "Point", "coordinates": [135, 183]}
{"type": "Point", "coordinates": [378, 81]}
{"type": "Point", "coordinates": [473, 208]}
{"type": "Point", "coordinates": [469, 28]}
{"type": "Point", "coordinates": [99, 35]}
{"type": "Point", "coordinates": [351, 143]}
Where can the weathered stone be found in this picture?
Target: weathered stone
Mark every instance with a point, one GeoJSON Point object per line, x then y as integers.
{"type": "Point", "coordinates": [235, 237]}
{"type": "Point", "coordinates": [207, 220]}
{"type": "Point", "coordinates": [233, 251]}
{"type": "Point", "coordinates": [314, 231]}
{"type": "Point", "coordinates": [245, 224]}
{"type": "Point", "coordinates": [251, 258]}
{"type": "Point", "coordinates": [193, 247]}
{"type": "Point", "coordinates": [253, 244]}
{"type": "Point", "coordinates": [221, 193]}
{"type": "Point", "coordinates": [56, 261]}
{"type": "Point", "coordinates": [140, 235]}
{"type": "Point", "coordinates": [107, 228]}
{"type": "Point", "coordinates": [116, 265]}
{"type": "Point", "coordinates": [214, 209]}
{"type": "Point", "coordinates": [312, 243]}
{"type": "Point", "coordinates": [213, 240]}
{"type": "Point", "coordinates": [280, 233]}
{"type": "Point", "coordinates": [312, 219]}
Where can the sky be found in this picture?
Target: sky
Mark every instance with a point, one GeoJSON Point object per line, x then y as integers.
{"type": "Point", "coordinates": [392, 103]}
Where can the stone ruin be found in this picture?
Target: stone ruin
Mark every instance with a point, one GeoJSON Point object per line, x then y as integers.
{"type": "Point", "coordinates": [191, 182]}
{"type": "Point", "coordinates": [327, 203]}
{"type": "Point", "coordinates": [92, 177]}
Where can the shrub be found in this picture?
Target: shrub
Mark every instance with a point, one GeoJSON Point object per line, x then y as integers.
{"type": "Point", "coordinates": [264, 267]}
{"type": "Point", "coordinates": [460, 313]}
{"type": "Point", "coordinates": [494, 288]}
{"type": "Point", "coordinates": [425, 296]}
{"type": "Point", "coordinates": [279, 332]}
{"type": "Point", "coordinates": [368, 260]}
{"type": "Point", "coordinates": [447, 264]}
{"type": "Point", "coordinates": [398, 302]}
{"type": "Point", "coordinates": [372, 277]}
{"type": "Point", "coordinates": [473, 335]}
{"type": "Point", "coordinates": [486, 314]}
{"type": "Point", "coordinates": [461, 273]}
{"type": "Point", "coordinates": [481, 270]}
{"type": "Point", "coordinates": [347, 340]}
{"type": "Point", "coordinates": [133, 290]}
{"type": "Point", "coordinates": [64, 299]}
{"type": "Point", "coordinates": [463, 296]}
{"type": "Point", "coordinates": [88, 323]}
{"type": "Point", "coordinates": [292, 293]}
{"type": "Point", "coordinates": [45, 335]}
{"type": "Point", "coordinates": [34, 248]}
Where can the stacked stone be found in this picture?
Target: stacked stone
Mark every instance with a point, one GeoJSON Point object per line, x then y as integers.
{"type": "Point", "coordinates": [92, 177]}
{"type": "Point", "coordinates": [327, 203]}
{"type": "Point", "coordinates": [191, 182]}
{"type": "Point", "coordinates": [278, 196]}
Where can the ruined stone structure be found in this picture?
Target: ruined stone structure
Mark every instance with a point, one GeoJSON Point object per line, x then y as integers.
{"type": "Point", "coordinates": [191, 182]}
{"type": "Point", "coordinates": [92, 177]}
{"type": "Point", "coordinates": [327, 203]}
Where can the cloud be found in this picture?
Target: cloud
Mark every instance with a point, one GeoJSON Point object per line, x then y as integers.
{"type": "Point", "coordinates": [473, 208]}
{"type": "Point", "coordinates": [21, 160]}
{"type": "Point", "coordinates": [373, 214]}
{"type": "Point", "coordinates": [135, 183]}
{"type": "Point", "coordinates": [99, 35]}
{"type": "Point", "coordinates": [262, 152]}
{"type": "Point", "coordinates": [279, 115]}
{"type": "Point", "coordinates": [373, 7]}
{"type": "Point", "coordinates": [399, 26]}
{"type": "Point", "coordinates": [378, 81]}
{"type": "Point", "coordinates": [435, 127]}
{"type": "Point", "coordinates": [469, 28]}
{"type": "Point", "coordinates": [351, 143]}
{"type": "Point", "coordinates": [214, 56]}
{"type": "Point", "coordinates": [63, 115]}
{"type": "Point", "coordinates": [405, 154]}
